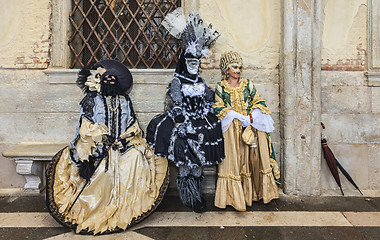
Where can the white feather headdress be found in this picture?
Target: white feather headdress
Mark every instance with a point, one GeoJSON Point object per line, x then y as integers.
{"type": "Point", "coordinates": [195, 35]}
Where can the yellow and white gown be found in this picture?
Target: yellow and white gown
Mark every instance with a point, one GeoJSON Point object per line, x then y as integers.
{"type": "Point", "coordinates": [249, 172]}
{"type": "Point", "coordinates": [128, 183]}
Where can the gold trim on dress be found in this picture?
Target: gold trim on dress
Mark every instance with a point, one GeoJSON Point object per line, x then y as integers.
{"type": "Point", "coordinates": [230, 177]}
{"type": "Point", "coordinates": [266, 171]}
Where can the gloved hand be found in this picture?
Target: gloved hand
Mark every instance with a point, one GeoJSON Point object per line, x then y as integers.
{"type": "Point", "coordinates": [178, 116]}
{"type": "Point", "coordinates": [119, 144]}
{"type": "Point", "coordinates": [108, 140]}
{"type": "Point", "coordinates": [86, 169]}
{"type": "Point", "coordinates": [181, 130]}
{"type": "Point", "coordinates": [245, 121]}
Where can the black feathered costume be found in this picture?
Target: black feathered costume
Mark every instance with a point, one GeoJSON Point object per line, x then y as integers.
{"type": "Point", "coordinates": [188, 133]}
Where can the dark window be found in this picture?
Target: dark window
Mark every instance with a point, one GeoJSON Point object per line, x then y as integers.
{"type": "Point", "coordinates": [126, 30]}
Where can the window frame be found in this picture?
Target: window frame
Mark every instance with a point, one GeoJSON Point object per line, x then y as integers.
{"type": "Point", "coordinates": [129, 31]}
{"type": "Point", "coordinates": [59, 72]}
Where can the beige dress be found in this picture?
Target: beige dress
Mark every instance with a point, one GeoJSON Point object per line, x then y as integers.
{"type": "Point", "coordinates": [249, 172]}
{"type": "Point", "coordinates": [118, 196]}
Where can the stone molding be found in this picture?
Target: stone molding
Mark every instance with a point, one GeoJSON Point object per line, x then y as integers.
{"type": "Point", "coordinates": [68, 76]}
{"type": "Point", "coordinates": [373, 79]}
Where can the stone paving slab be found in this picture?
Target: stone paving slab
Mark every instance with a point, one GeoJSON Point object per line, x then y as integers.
{"type": "Point", "coordinates": [216, 219]}
{"type": "Point", "coordinates": [123, 235]}
{"type": "Point", "coordinates": [26, 217]}
{"type": "Point", "coordinates": [172, 204]}
{"type": "Point", "coordinates": [243, 219]}
{"type": "Point", "coordinates": [273, 233]}
{"type": "Point", "coordinates": [363, 218]}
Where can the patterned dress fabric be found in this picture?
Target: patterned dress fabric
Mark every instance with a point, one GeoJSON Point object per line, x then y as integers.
{"type": "Point", "coordinates": [197, 139]}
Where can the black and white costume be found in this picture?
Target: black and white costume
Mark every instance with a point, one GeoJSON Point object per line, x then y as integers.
{"type": "Point", "coordinates": [188, 133]}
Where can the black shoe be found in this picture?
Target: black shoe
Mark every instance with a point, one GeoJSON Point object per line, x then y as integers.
{"type": "Point", "coordinates": [200, 207]}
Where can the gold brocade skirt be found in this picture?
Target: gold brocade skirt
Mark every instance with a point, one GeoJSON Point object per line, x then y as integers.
{"type": "Point", "coordinates": [115, 199]}
{"type": "Point", "coordinates": [245, 175]}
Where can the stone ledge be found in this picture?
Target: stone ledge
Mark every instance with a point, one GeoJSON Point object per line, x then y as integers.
{"type": "Point", "coordinates": [68, 76]}
{"type": "Point", "coordinates": [373, 79]}
{"type": "Point", "coordinates": [35, 150]}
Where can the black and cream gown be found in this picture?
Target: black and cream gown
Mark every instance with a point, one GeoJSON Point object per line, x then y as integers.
{"type": "Point", "coordinates": [128, 182]}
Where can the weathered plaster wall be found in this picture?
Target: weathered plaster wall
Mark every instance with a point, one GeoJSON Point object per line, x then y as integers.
{"type": "Point", "coordinates": [344, 35]}
{"type": "Point", "coordinates": [237, 20]}
{"type": "Point", "coordinates": [27, 110]}
{"type": "Point", "coordinates": [24, 36]}
{"type": "Point", "coordinates": [349, 106]}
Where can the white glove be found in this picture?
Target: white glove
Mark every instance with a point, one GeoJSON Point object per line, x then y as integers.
{"type": "Point", "coordinates": [245, 120]}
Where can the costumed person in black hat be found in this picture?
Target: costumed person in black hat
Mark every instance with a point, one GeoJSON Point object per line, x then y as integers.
{"type": "Point", "coordinates": [189, 134]}
{"type": "Point", "coordinates": [250, 171]}
{"type": "Point", "coordinates": [108, 178]}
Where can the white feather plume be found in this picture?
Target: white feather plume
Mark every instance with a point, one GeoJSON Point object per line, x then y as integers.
{"type": "Point", "coordinates": [196, 35]}
{"type": "Point", "coordinates": [191, 48]}
{"type": "Point", "coordinates": [175, 22]}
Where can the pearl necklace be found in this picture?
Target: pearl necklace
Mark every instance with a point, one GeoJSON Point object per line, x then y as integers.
{"type": "Point", "coordinates": [110, 107]}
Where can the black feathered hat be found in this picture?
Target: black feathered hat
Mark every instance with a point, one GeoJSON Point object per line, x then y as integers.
{"type": "Point", "coordinates": [108, 67]}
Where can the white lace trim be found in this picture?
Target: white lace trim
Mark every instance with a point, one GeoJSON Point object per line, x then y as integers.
{"type": "Point", "coordinates": [193, 90]}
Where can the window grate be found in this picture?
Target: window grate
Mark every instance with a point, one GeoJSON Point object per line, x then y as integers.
{"type": "Point", "coordinates": [126, 30]}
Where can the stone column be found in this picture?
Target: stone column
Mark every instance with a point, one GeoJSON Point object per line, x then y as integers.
{"type": "Point", "coordinates": [300, 102]}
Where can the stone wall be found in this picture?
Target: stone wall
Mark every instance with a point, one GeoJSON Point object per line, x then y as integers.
{"type": "Point", "coordinates": [349, 105]}
{"type": "Point", "coordinates": [351, 116]}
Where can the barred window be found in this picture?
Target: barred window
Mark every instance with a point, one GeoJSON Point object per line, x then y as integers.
{"type": "Point", "coordinates": [126, 30]}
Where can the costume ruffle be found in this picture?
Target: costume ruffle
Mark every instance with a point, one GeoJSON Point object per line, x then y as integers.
{"type": "Point", "coordinates": [195, 142]}
{"type": "Point", "coordinates": [246, 174]}
{"type": "Point", "coordinates": [115, 199]}
{"type": "Point", "coordinates": [125, 183]}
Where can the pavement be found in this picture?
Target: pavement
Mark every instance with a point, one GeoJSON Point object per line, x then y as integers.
{"type": "Point", "coordinates": [290, 217]}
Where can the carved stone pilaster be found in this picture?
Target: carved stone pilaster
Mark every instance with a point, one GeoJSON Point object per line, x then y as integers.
{"type": "Point", "coordinates": [300, 102]}
{"type": "Point", "coordinates": [373, 74]}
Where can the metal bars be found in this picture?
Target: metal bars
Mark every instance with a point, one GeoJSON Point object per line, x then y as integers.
{"type": "Point", "coordinates": [126, 30]}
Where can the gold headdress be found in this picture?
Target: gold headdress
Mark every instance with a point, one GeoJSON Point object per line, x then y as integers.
{"type": "Point", "coordinates": [229, 59]}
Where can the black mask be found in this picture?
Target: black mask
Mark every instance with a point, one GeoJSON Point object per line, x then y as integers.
{"type": "Point", "coordinates": [109, 86]}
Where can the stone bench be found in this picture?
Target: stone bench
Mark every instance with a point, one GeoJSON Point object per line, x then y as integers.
{"type": "Point", "coordinates": [31, 162]}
